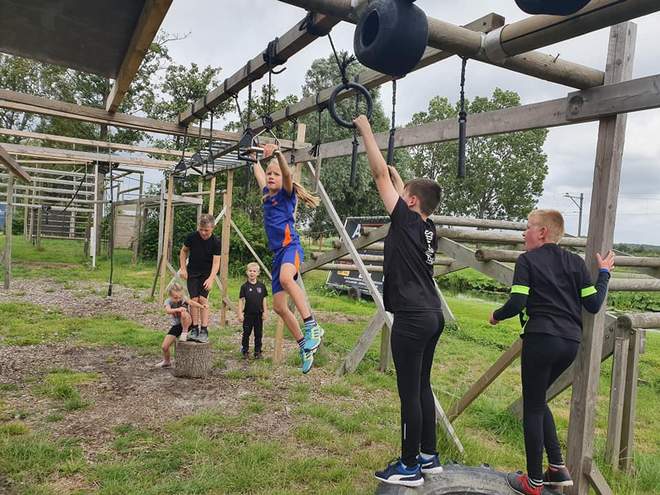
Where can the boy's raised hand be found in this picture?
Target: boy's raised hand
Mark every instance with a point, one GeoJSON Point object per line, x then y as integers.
{"type": "Point", "coordinates": [606, 263]}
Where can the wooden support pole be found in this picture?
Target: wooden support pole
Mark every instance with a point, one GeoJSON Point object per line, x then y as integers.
{"type": "Point", "coordinates": [164, 259]}
{"type": "Point", "coordinates": [226, 234]}
{"type": "Point", "coordinates": [617, 393]}
{"type": "Point", "coordinates": [137, 236]}
{"type": "Point", "coordinates": [39, 225]}
{"type": "Point", "coordinates": [200, 190]}
{"type": "Point", "coordinates": [212, 194]}
{"type": "Point", "coordinates": [595, 477]}
{"type": "Point", "coordinates": [485, 380]}
{"type": "Point", "coordinates": [9, 219]}
{"type": "Point", "coordinates": [626, 448]}
{"type": "Point", "coordinates": [602, 218]}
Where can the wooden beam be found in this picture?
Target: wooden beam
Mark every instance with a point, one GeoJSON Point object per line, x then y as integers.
{"type": "Point", "coordinates": [89, 157]}
{"type": "Point", "coordinates": [642, 320]}
{"type": "Point", "coordinates": [464, 255]}
{"type": "Point", "coordinates": [466, 43]}
{"type": "Point", "coordinates": [372, 79]}
{"type": "Point", "coordinates": [627, 442]}
{"type": "Point", "coordinates": [617, 393]}
{"type": "Point", "coordinates": [351, 362]}
{"type": "Point", "coordinates": [12, 166]}
{"type": "Point", "coordinates": [90, 142]}
{"type": "Point", "coordinates": [552, 113]}
{"type": "Point", "coordinates": [164, 259]}
{"type": "Point", "coordinates": [595, 478]}
{"type": "Point", "coordinates": [510, 256]}
{"type": "Point", "coordinates": [22, 102]}
{"type": "Point", "coordinates": [602, 218]}
{"type": "Point", "coordinates": [634, 284]}
{"type": "Point", "coordinates": [144, 33]}
{"type": "Point", "coordinates": [9, 220]}
{"type": "Point", "coordinates": [226, 234]}
{"type": "Point", "coordinates": [484, 381]}
{"type": "Point", "coordinates": [287, 45]}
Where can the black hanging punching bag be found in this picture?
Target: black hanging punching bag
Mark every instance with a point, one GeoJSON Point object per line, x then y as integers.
{"type": "Point", "coordinates": [552, 7]}
{"type": "Point", "coordinates": [391, 36]}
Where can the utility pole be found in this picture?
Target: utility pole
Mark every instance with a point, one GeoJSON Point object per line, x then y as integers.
{"type": "Point", "coordinates": [578, 200]}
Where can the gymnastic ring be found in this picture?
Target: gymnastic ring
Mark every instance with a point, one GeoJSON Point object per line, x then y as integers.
{"type": "Point", "coordinates": [332, 102]}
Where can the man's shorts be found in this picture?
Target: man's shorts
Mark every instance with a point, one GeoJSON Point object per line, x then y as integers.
{"type": "Point", "coordinates": [175, 330]}
{"type": "Point", "coordinates": [293, 254]}
{"type": "Point", "coordinates": [196, 286]}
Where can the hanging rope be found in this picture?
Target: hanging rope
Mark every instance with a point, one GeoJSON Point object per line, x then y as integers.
{"type": "Point", "coordinates": [390, 144]}
{"type": "Point", "coordinates": [75, 194]}
{"type": "Point", "coordinates": [462, 125]}
{"type": "Point", "coordinates": [314, 151]}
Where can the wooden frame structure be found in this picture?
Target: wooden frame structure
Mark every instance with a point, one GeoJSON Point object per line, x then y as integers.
{"type": "Point", "coordinates": [603, 96]}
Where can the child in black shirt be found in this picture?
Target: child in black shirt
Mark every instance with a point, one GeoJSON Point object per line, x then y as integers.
{"type": "Point", "coordinates": [553, 285]}
{"type": "Point", "coordinates": [199, 262]}
{"type": "Point", "coordinates": [409, 291]}
{"type": "Point", "coordinates": [252, 310]}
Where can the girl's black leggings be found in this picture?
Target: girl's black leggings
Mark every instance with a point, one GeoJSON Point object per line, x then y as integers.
{"type": "Point", "coordinates": [544, 358]}
{"type": "Point", "coordinates": [414, 337]}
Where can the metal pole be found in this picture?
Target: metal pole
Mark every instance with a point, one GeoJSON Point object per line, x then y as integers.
{"type": "Point", "coordinates": [580, 217]}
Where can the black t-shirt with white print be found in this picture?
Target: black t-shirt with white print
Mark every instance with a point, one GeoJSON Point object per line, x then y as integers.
{"type": "Point", "coordinates": [408, 266]}
{"type": "Point", "coordinates": [254, 295]}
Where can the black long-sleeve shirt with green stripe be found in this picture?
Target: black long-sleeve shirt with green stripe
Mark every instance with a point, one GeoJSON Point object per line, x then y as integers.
{"type": "Point", "coordinates": [551, 285]}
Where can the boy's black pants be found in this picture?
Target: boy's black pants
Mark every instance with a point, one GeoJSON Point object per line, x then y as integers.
{"type": "Point", "coordinates": [253, 321]}
{"type": "Point", "coordinates": [414, 337]}
{"type": "Point", "coordinates": [544, 357]}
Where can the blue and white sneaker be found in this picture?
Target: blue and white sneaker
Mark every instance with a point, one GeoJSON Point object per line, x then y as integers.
{"type": "Point", "coordinates": [307, 360]}
{"type": "Point", "coordinates": [430, 466]}
{"type": "Point", "coordinates": [313, 335]}
{"type": "Point", "coordinates": [398, 474]}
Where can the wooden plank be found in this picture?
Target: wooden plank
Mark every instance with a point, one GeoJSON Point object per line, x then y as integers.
{"type": "Point", "coordinates": [371, 79]}
{"type": "Point", "coordinates": [602, 218]}
{"type": "Point", "coordinates": [351, 362]}
{"type": "Point", "coordinates": [9, 232]}
{"type": "Point", "coordinates": [287, 45]}
{"type": "Point", "coordinates": [464, 255]}
{"type": "Point", "coordinates": [212, 192]}
{"type": "Point", "coordinates": [510, 256]}
{"type": "Point", "coordinates": [548, 114]}
{"type": "Point", "coordinates": [12, 166]}
{"type": "Point", "coordinates": [498, 237]}
{"type": "Point", "coordinates": [22, 102]}
{"type": "Point", "coordinates": [484, 381]}
{"type": "Point", "coordinates": [144, 33]}
{"type": "Point", "coordinates": [626, 448]}
{"type": "Point", "coordinates": [642, 320]}
{"type": "Point", "coordinates": [596, 478]}
{"type": "Point", "coordinates": [617, 392]}
{"type": "Point", "coordinates": [634, 284]}
{"type": "Point", "coordinates": [89, 142]}
{"type": "Point", "coordinates": [88, 157]}
{"type": "Point", "coordinates": [224, 252]}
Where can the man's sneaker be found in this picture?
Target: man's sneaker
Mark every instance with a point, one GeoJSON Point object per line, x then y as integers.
{"type": "Point", "coordinates": [307, 360]}
{"type": "Point", "coordinates": [520, 483]}
{"type": "Point", "coordinates": [313, 335]}
{"type": "Point", "coordinates": [430, 466]}
{"type": "Point", "coordinates": [557, 476]}
{"type": "Point", "coordinates": [203, 337]}
{"type": "Point", "coordinates": [193, 335]}
{"type": "Point", "coordinates": [398, 474]}
{"type": "Point", "coordinates": [183, 337]}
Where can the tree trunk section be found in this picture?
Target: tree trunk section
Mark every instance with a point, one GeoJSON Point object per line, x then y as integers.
{"type": "Point", "coordinates": [192, 360]}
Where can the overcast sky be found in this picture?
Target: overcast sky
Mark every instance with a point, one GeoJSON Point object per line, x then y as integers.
{"type": "Point", "coordinates": [227, 33]}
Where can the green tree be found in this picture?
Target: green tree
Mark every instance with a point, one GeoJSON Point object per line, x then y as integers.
{"type": "Point", "coordinates": [505, 172]}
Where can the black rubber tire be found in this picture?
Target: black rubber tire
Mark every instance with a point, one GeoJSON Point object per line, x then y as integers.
{"type": "Point", "coordinates": [332, 102]}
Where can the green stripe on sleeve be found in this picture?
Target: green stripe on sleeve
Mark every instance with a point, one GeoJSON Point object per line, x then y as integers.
{"type": "Point", "coordinates": [520, 289]}
{"type": "Point", "coordinates": [589, 291]}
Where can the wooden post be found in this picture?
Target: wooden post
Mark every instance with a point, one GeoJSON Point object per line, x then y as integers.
{"type": "Point", "coordinates": [39, 219]}
{"type": "Point", "coordinates": [200, 190]}
{"type": "Point", "coordinates": [617, 391]}
{"type": "Point", "coordinates": [630, 402]}
{"type": "Point", "coordinates": [26, 209]}
{"type": "Point", "coordinates": [33, 227]}
{"type": "Point", "coordinates": [161, 219]}
{"type": "Point", "coordinates": [602, 217]}
{"type": "Point", "coordinates": [138, 223]}
{"type": "Point", "coordinates": [162, 269]}
{"type": "Point", "coordinates": [9, 229]}
{"type": "Point", "coordinates": [212, 192]}
{"type": "Point", "coordinates": [226, 234]}
{"type": "Point", "coordinates": [72, 225]}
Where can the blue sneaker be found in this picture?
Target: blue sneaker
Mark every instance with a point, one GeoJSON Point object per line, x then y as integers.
{"type": "Point", "coordinates": [430, 466]}
{"type": "Point", "coordinates": [313, 335]}
{"type": "Point", "coordinates": [307, 360]}
{"type": "Point", "coordinates": [398, 474]}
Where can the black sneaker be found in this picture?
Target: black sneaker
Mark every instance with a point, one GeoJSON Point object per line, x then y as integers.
{"type": "Point", "coordinates": [257, 355]}
{"type": "Point", "coordinates": [557, 476]}
{"type": "Point", "coordinates": [245, 353]}
{"type": "Point", "coordinates": [203, 335]}
{"type": "Point", "coordinates": [193, 335]}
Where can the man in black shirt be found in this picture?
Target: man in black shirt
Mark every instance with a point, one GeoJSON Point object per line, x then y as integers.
{"type": "Point", "coordinates": [553, 285]}
{"type": "Point", "coordinates": [252, 310]}
{"type": "Point", "coordinates": [201, 252]}
{"type": "Point", "coordinates": [409, 291]}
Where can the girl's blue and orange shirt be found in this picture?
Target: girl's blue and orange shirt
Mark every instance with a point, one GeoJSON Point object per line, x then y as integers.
{"type": "Point", "coordinates": [278, 219]}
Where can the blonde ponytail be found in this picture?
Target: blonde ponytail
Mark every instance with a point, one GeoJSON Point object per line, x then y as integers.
{"type": "Point", "coordinates": [305, 196]}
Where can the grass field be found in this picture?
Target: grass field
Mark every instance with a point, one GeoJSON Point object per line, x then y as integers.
{"type": "Point", "coordinates": [260, 428]}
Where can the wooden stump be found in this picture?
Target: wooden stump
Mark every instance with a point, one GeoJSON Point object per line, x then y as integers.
{"type": "Point", "coordinates": [192, 360]}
